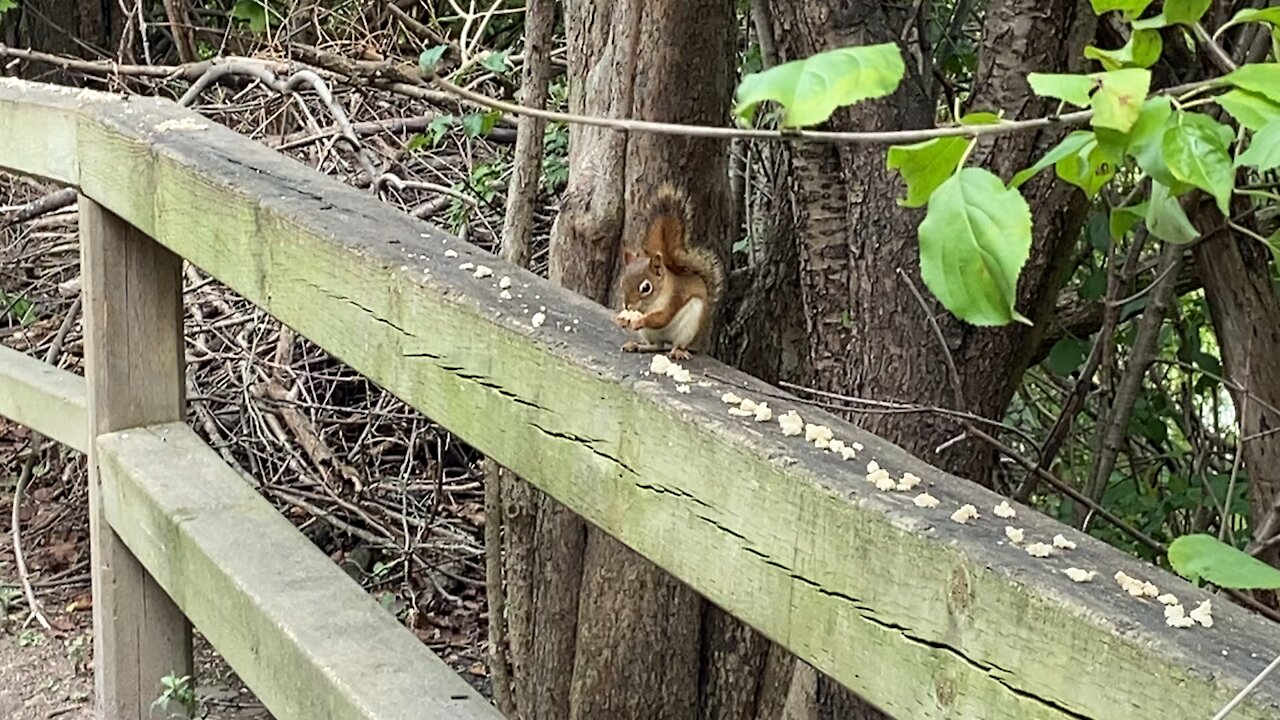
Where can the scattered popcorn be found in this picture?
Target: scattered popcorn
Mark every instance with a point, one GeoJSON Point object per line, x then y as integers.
{"type": "Point", "coordinates": [505, 294]}
{"type": "Point", "coordinates": [872, 466]}
{"type": "Point", "coordinates": [748, 404]}
{"type": "Point", "coordinates": [791, 423]}
{"type": "Point", "coordinates": [1060, 541]}
{"type": "Point", "coordinates": [925, 500]}
{"type": "Point", "coordinates": [627, 315]}
{"type": "Point", "coordinates": [483, 272]}
{"type": "Point", "coordinates": [884, 483]}
{"type": "Point", "coordinates": [879, 475]}
{"type": "Point", "coordinates": [1150, 590]}
{"type": "Point", "coordinates": [836, 445]}
{"type": "Point", "coordinates": [679, 374]}
{"type": "Point", "coordinates": [965, 514]}
{"type": "Point", "coordinates": [504, 282]}
{"type": "Point", "coordinates": [1131, 585]}
{"type": "Point", "coordinates": [660, 364]}
{"type": "Point", "coordinates": [682, 389]}
{"type": "Point", "coordinates": [1040, 550]}
{"type": "Point", "coordinates": [857, 446]}
{"type": "Point", "coordinates": [1167, 599]}
{"type": "Point", "coordinates": [763, 413]}
{"type": "Point", "coordinates": [1004, 510]}
{"type": "Point", "coordinates": [451, 253]}
{"type": "Point", "coordinates": [1202, 614]}
{"type": "Point", "coordinates": [538, 319]}
{"type": "Point", "coordinates": [814, 433]}
{"type": "Point", "coordinates": [467, 266]}
{"type": "Point", "coordinates": [1078, 575]}
{"type": "Point", "coordinates": [822, 444]}
{"type": "Point", "coordinates": [730, 398]}
{"type": "Point", "coordinates": [1176, 616]}
{"type": "Point", "coordinates": [847, 452]}
{"type": "Point", "coordinates": [1014, 534]}
{"type": "Point", "coordinates": [908, 481]}
{"type": "Point", "coordinates": [739, 412]}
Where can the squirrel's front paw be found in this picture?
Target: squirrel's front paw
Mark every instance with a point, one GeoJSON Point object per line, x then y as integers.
{"type": "Point", "coordinates": [631, 347]}
{"type": "Point", "coordinates": [678, 353]}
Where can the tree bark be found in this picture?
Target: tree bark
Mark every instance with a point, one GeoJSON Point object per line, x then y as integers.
{"type": "Point", "coordinates": [596, 630]}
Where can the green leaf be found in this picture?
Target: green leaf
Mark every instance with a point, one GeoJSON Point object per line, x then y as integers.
{"type": "Point", "coordinates": [438, 127]}
{"type": "Point", "coordinates": [430, 58]}
{"type": "Point", "coordinates": [7, 5]}
{"type": "Point", "coordinates": [1261, 78]}
{"type": "Point", "coordinates": [1070, 145]}
{"type": "Point", "coordinates": [1124, 218]}
{"type": "Point", "coordinates": [1146, 138]}
{"type": "Point", "coordinates": [1185, 12]}
{"type": "Point", "coordinates": [253, 12]}
{"type": "Point", "coordinates": [974, 240]}
{"type": "Point", "coordinates": [1251, 110]}
{"type": "Point", "coordinates": [1264, 149]}
{"type": "Point", "coordinates": [811, 89]}
{"type": "Point", "coordinates": [1074, 89]}
{"type": "Point", "coordinates": [1155, 22]}
{"type": "Point", "coordinates": [926, 165]}
{"type": "Point", "coordinates": [1197, 151]}
{"type": "Point", "coordinates": [496, 62]}
{"type": "Point", "coordinates": [477, 124]}
{"type": "Point", "coordinates": [1142, 50]}
{"type": "Point", "coordinates": [1119, 98]}
{"type": "Point", "coordinates": [1166, 219]}
{"type": "Point", "coordinates": [1090, 167]}
{"type": "Point", "coordinates": [1130, 8]}
{"type": "Point", "coordinates": [1066, 356]}
{"type": "Point", "coordinates": [1270, 15]}
{"type": "Point", "coordinates": [1204, 557]}
{"type": "Point", "coordinates": [980, 118]}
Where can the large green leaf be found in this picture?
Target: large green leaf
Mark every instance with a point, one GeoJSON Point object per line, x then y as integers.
{"type": "Point", "coordinates": [1261, 78]}
{"type": "Point", "coordinates": [1166, 218]}
{"type": "Point", "coordinates": [1119, 98]}
{"type": "Point", "coordinates": [1122, 219]}
{"type": "Point", "coordinates": [809, 90]}
{"type": "Point", "coordinates": [1185, 12]}
{"type": "Point", "coordinates": [1074, 89]}
{"type": "Point", "coordinates": [1130, 8]}
{"type": "Point", "coordinates": [926, 165]}
{"type": "Point", "coordinates": [1270, 15]}
{"type": "Point", "coordinates": [1070, 145]}
{"type": "Point", "coordinates": [1146, 139]}
{"type": "Point", "coordinates": [974, 240]}
{"type": "Point", "coordinates": [1204, 557]}
{"type": "Point", "coordinates": [1142, 50]}
{"type": "Point", "coordinates": [1264, 149]}
{"type": "Point", "coordinates": [1090, 167]}
{"type": "Point", "coordinates": [1250, 109]}
{"type": "Point", "coordinates": [1197, 151]}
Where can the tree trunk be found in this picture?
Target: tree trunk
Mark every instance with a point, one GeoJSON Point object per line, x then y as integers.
{"type": "Point", "coordinates": [81, 28]}
{"type": "Point", "coordinates": [868, 335]}
{"type": "Point", "coordinates": [596, 630]}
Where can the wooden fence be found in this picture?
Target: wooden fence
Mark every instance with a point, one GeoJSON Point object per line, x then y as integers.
{"type": "Point", "coordinates": [922, 615]}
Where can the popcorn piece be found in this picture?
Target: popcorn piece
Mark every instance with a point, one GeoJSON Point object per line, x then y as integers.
{"type": "Point", "coordinates": [813, 433]}
{"type": "Point", "coordinates": [1150, 590]}
{"type": "Point", "coordinates": [1014, 534]}
{"type": "Point", "coordinates": [965, 514]}
{"type": "Point", "coordinates": [836, 445]}
{"type": "Point", "coordinates": [538, 319]}
{"type": "Point", "coordinates": [872, 466]}
{"type": "Point", "coordinates": [682, 389]}
{"type": "Point", "coordinates": [483, 271]}
{"type": "Point", "coordinates": [451, 253]}
{"type": "Point", "coordinates": [1175, 616]}
{"type": "Point", "coordinates": [791, 423]}
{"type": "Point", "coordinates": [1167, 599]}
{"type": "Point", "coordinates": [467, 266]}
{"type": "Point", "coordinates": [857, 446]}
{"type": "Point", "coordinates": [504, 282]}
{"type": "Point", "coordinates": [879, 475]}
{"type": "Point", "coordinates": [884, 483]}
{"type": "Point", "coordinates": [1060, 541]}
{"type": "Point", "coordinates": [848, 453]}
{"type": "Point", "coordinates": [1174, 610]}
{"type": "Point", "coordinates": [730, 398]}
{"type": "Point", "coordinates": [822, 443]}
{"type": "Point", "coordinates": [763, 412]}
{"type": "Point", "coordinates": [1040, 550]}
{"type": "Point", "coordinates": [1078, 575]}
{"type": "Point", "coordinates": [908, 482]}
{"type": "Point", "coordinates": [739, 412]}
{"type": "Point", "coordinates": [925, 500]}
{"type": "Point", "coordinates": [627, 315]}
{"type": "Point", "coordinates": [505, 294]}
{"type": "Point", "coordinates": [1004, 510]}
{"type": "Point", "coordinates": [660, 364]}
{"type": "Point", "coordinates": [679, 374]}
{"type": "Point", "coordinates": [1203, 614]}
{"type": "Point", "coordinates": [748, 404]}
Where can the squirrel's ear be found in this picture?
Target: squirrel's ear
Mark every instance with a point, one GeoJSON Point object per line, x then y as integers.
{"type": "Point", "coordinates": [655, 263]}
{"type": "Point", "coordinates": [627, 256]}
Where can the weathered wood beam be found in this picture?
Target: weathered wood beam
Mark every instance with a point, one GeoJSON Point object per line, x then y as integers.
{"type": "Point", "coordinates": [296, 628]}
{"type": "Point", "coordinates": [925, 617]}
{"type": "Point", "coordinates": [48, 400]}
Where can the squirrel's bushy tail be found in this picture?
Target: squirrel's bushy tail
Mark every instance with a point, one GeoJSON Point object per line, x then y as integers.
{"type": "Point", "coordinates": [669, 230]}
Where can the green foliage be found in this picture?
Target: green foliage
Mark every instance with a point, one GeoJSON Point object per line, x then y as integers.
{"type": "Point", "coordinates": [1115, 95]}
{"type": "Point", "coordinates": [1203, 557]}
{"type": "Point", "coordinates": [478, 124]}
{"type": "Point", "coordinates": [1260, 78]}
{"type": "Point", "coordinates": [1130, 8]}
{"type": "Point", "coordinates": [1185, 12]}
{"type": "Point", "coordinates": [809, 90]}
{"type": "Point", "coordinates": [555, 156]}
{"type": "Point", "coordinates": [1165, 217]}
{"type": "Point", "coordinates": [1197, 152]}
{"type": "Point", "coordinates": [17, 307]}
{"type": "Point", "coordinates": [973, 242]}
{"type": "Point", "coordinates": [1141, 51]}
{"type": "Point", "coordinates": [926, 165]}
{"type": "Point", "coordinates": [496, 62]}
{"type": "Point", "coordinates": [181, 690]}
{"type": "Point", "coordinates": [7, 5]}
{"type": "Point", "coordinates": [1252, 110]}
{"type": "Point", "coordinates": [430, 58]}
{"type": "Point", "coordinates": [1269, 15]}
{"type": "Point", "coordinates": [1264, 150]}
{"type": "Point", "coordinates": [256, 14]}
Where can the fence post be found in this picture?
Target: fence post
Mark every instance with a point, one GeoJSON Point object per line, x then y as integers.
{"type": "Point", "coordinates": [135, 371]}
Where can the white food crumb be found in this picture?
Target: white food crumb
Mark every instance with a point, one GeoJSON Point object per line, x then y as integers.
{"type": "Point", "coordinates": [1176, 616]}
{"type": "Point", "coordinates": [660, 364]}
{"type": "Point", "coordinates": [1078, 575]}
{"type": "Point", "coordinates": [791, 423]}
{"type": "Point", "coordinates": [763, 412]}
{"type": "Point", "coordinates": [505, 294]}
{"type": "Point", "coordinates": [848, 453]}
{"type": "Point", "coordinates": [730, 398]}
{"type": "Point", "coordinates": [885, 483]}
{"type": "Point", "coordinates": [965, 514]}
{"type": "Point", "coordinates": [1167, 599]}
{"type": "Point", "coordinates": [836, 445]}
{"type": "Point", "coordinates": [627, 314]}
{"type": "Point", "coordinates": [908, 481]}
{"type": "Point", "coordinates": [813, 433]}
{"type": "Point", "coordinates": [822, 443]}
{"type": "Point", "coordinates": [1004, 510]}
{"type": "Point", "coordinates": [679, 374]}
{"type": "Point", "coordinates": [748, 404]}
{"type": "Point", "coordinates": [739, 412]}
{"type": "Point", "coordinates": [682, 389]}
{"type": "Point", "coordinates": [1202, 614]}
{"type": "Point", "coordinates": [451, 253]}
{"type": "Point", "coordinates": [857, 446]}
{"type": "Point", "coordinates": [1060, 541]}
{"type": "Point", "coordinates": [504, 282]}
{"type": "Point", "coordinates": [876, 475]}
{"type": "Point", "coordinates": [925, 500]}
{"type": "Point", "coordinates": [1150, 590]}
{"type": "Point", "coordinates": [1014, 534]}
{"type": "Point", "coordinates": [467, 266]}
{"type": "Point", "coordinates": [538, 319]}
{"type": "Point", "coordinates": [1039, 549]}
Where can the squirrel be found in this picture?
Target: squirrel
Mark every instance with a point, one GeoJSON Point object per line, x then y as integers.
{"type": "Point", "coordinates": [670, 288]}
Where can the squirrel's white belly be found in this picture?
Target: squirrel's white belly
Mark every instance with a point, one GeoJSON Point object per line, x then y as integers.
{"type": "Point", "coordinates": [683, 328]}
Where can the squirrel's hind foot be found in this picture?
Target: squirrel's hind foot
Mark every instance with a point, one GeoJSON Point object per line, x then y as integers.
{"type": "Point", "coordinates": [679, 353]}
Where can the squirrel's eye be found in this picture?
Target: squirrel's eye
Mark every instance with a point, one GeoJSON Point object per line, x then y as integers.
{"type": "Point", "coordinates": [646, 287]}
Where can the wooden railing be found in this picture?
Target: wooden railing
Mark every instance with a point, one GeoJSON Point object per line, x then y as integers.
{"type": "Point", "coordinates": [924, 616]}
